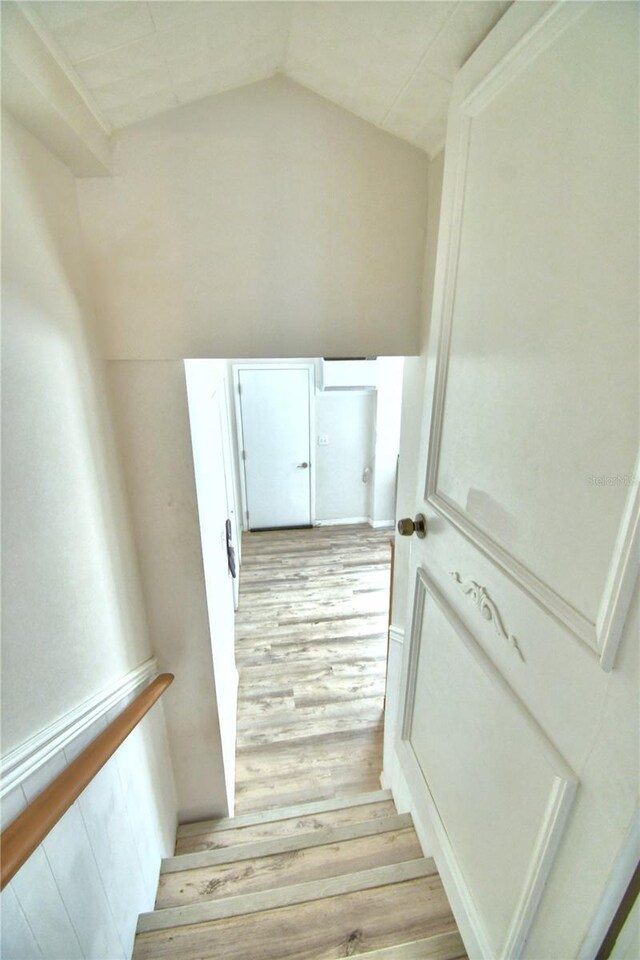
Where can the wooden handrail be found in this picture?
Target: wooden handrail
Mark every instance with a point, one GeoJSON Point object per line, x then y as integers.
{"type": "Point", "coordinates": [29, 829]}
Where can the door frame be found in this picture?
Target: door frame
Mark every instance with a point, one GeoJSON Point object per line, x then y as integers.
{"type": "Point", "coordinates": [205, 398]}
{"type": "Point", "coordinates": [310, 367]}
{"type": "Point", "coordinates": [231, 477]}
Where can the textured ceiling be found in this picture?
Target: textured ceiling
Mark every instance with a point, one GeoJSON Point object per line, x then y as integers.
{"type": "Point", "coordinates": [391, 63]}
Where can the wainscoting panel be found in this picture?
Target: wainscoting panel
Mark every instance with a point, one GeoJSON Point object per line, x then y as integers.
{"type": "Point", "coordinates": [499, 793]}
{"type": "Point", "coordinates": [80, 893]}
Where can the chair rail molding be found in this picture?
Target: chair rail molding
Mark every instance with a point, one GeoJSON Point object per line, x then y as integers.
{"type": "Point", "coordinates": [22, 761]}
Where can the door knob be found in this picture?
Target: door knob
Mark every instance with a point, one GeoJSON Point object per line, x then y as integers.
{"type": "Point", "coordinates": [407, 526]}
{"type": "Point", "coordinates": [303, 466]}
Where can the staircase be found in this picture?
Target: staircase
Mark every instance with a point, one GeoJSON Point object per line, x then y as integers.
{"type": "Point", "coordinates": [335, 878]}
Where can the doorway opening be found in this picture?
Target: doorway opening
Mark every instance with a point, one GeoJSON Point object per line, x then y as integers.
{"type": "Point", "coordinates": [299, 550]}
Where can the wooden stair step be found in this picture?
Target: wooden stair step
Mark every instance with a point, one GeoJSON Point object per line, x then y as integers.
{"type": "Point", "coordinates": [442, 946]}
{"type": "Point", "coordinates": [210, 910]}
{"type": "Point", "coordinates": [281, 821]}
{"type": "Point", "coordinates": [330, 919]}
{"type": "Point", "coordinates": [286, 844]}
{"type": "Point", "coordinates": [289, 861]}
{"type": "Point", "coordinates": [284, 828]}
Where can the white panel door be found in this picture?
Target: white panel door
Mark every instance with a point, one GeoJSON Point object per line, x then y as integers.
{"type": "Point", "coordinates": [528, 480]}
{"type": "Point", "coordinates": [275, 403]}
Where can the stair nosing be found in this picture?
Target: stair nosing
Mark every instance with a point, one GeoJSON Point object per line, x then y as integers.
{"type": "Point", "coordinates": [282, 813]}
{"type": "Point", "coordinates": [275, 845]}
{"type": "Point", "coordinates": [208, 911]}
{"type": "Point", "coordinates": [383, 952]}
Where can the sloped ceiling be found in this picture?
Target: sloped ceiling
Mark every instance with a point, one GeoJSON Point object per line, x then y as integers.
{"type": "Point", "coordinates": [391, 63]}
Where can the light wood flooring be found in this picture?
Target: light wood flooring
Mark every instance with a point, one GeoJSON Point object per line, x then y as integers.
{"type": "Point", "coordinates": [311, 644]}
{"type": "Point", "coordinates": [317, 864]}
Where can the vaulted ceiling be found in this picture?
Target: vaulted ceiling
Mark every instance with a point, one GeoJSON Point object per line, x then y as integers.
{"type": "Point", "coordinates": [391, 63]}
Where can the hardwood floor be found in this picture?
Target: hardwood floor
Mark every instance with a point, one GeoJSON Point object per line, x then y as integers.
{"type": "Point", "coordinates": [311, 642]}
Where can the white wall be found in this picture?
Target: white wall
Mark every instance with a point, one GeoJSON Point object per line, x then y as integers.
{"type": "Point", "coordinates": [346, 418]}
{"type": "Point", "coordinates": [152, 417]}
{"type": "Point", "coordinates": [387, 440]}
{"type": "Point", "coordinates": [264, 221]}
{"type": "Point", "coordinates": [74, 619]}
{"type": "Point", "coordinates": [72, 607]}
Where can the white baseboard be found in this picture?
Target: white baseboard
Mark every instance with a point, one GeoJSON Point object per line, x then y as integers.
{"type": "Point", "coordinates": [21, 762]}
{"type": "Point", "coordinates": [343, 522]}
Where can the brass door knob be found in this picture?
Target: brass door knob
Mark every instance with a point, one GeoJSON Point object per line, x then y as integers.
{"type": "Point", "coordinates": [407, 526]}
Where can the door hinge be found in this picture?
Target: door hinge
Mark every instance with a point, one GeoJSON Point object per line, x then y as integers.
{"type": "Point", "coordinates": [239, 388]}
{"type": "Point", "coordinates": [244, 454]}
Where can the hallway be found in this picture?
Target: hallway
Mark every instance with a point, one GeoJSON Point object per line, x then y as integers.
{"type": "Point", "coordinates": [311, 640]}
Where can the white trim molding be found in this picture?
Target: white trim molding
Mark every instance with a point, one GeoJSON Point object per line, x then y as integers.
{"type": "Point", "coordinates": [564, 785]}
{"type": "Point", "coordinates": [488, 609]}
{"type": "Point", "coordinates": [344, 522]}
{"type": "Point", "coordinates": [396, 634]}
{"type": "Point", "coordinates": [24, 760]}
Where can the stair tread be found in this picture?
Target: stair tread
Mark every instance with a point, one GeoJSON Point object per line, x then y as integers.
{"type": "Point", "coordinates": [282, 813]}
{"type": "Point", "coordinates": [295, 826]}
{"type": "Point", "coordinates": [442, 946]}
{"type": "Point", "coordinates": [196, 913]}
{"type": "Point", "coordinates": [330, 927]}
{"type": "Point", "coordinates": [297, 865]}
{"type": "Point", "coordinates": [277, 845]}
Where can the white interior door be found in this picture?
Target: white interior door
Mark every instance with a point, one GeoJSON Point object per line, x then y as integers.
{"type": "Point", "coordinates": [519, 730]}
{"type": "Point", "coordinates": [275, 405]}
